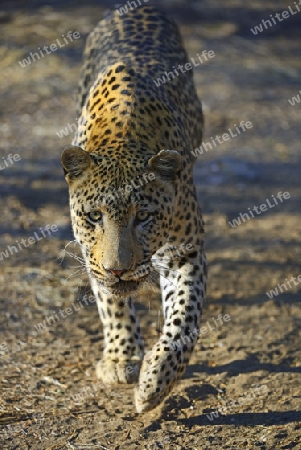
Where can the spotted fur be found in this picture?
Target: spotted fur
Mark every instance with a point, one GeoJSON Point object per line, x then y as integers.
{"type": "Point", "coordinates": [132, 197]}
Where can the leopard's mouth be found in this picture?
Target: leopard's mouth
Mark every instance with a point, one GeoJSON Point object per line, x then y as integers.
{"type": "Point", "coordinates": [128, 283]}
{"type": "Point", "coordinates": [122, 287]}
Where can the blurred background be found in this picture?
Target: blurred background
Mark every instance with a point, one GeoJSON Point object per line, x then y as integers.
{"type": "Point", "coordinates": [255, 76]}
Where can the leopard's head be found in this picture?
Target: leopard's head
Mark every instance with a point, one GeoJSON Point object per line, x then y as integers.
{"type": "Point", "coordinates": [121, 213]}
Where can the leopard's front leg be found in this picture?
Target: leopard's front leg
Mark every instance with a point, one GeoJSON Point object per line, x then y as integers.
{"type": "Point", "coordinates": [183, 289]}
{"type": "Point", "coordinates": [123, 345]}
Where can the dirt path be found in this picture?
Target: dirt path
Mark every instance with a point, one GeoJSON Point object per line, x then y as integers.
{"type": "Point", "coordinates": [248, 360]}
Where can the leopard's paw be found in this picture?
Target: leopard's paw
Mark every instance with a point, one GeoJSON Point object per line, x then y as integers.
{"type": "Point", "coordinates": [123, 372]}
{"type": "Point", "coordinates": [158, 375]}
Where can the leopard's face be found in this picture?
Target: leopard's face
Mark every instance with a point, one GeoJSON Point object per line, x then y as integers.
{"type": "Point", "coordinates": [120, 221]}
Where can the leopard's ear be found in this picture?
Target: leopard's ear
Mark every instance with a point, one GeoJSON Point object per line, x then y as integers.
{"type": "Point", "coordinates": [75, 161]}
{"type": "Point", "coordinates": [167, 164]}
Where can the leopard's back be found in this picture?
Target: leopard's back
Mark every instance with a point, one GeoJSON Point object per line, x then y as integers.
{"type": "Point", "coordinates": [149, 43]}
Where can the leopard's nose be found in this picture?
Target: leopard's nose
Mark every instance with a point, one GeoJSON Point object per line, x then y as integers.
{"type": "Point", "coordinates": [116, 272]}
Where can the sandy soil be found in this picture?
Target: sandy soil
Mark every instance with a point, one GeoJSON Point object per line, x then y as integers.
{"type": "Point", "coordinates": [250, 365]}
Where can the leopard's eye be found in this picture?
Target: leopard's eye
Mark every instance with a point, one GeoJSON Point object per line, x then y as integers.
{"type": "Point", "coordinates": [93, 217]}
{"type": "Point", "coordinates": [141, 216]}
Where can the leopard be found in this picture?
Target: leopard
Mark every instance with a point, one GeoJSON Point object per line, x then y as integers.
{"type": "Point", "coordinates": [132, 197]}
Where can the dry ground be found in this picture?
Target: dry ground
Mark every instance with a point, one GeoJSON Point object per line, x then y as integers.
{"type": "Point", "coordinates": [50, 397]}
